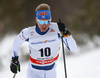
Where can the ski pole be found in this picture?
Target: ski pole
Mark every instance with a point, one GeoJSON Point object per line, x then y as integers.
{"type": "Point", "coordinates": [14, 75]}
{"type": "Point", "coordinates": [63, 54]}
{"type": "Point", "coordinates": [64, 58]}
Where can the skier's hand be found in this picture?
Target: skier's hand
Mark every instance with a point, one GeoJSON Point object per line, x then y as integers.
{"type": "Point", "coordinates": [15, 65]}
{"type": "Point", "coordinates": [63, 28]}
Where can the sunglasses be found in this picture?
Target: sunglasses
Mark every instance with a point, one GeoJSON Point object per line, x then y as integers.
{"type": "Point", "coordinates": [42, 22]}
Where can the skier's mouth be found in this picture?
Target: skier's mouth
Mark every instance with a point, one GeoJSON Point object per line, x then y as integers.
{"type": "Point", "coordinates": [43, 29]}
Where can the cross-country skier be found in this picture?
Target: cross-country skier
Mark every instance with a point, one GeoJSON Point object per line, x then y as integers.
{"type": "Point", "coordinates": [44, 43]}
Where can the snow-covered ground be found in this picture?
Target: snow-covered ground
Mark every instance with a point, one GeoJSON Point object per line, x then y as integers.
{"type": "Point", "coordinates": [79, 65]}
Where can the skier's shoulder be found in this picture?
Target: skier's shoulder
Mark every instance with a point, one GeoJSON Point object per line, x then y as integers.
{"type": "Point", "coordinates": [25, 31]}
{"type": "Point", "coordinates": [53, 24]}
{"type": "Point", "coordinates": [31, 27]}
{"type": "Point", "coordinates": [27, 28]}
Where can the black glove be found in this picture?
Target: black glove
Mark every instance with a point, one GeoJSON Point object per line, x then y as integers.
{"type": "Point", "coordinates": [15, 65]}
{"type": "Point", "coordinates": [63, 28]}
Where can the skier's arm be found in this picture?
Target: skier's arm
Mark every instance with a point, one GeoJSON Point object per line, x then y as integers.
{"type": "Point", "coordinates": [21, 38]}
{"type": "Point", "coordinates": [70, 43]}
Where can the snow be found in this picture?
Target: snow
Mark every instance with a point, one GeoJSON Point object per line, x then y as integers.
{"type": "Point", "coordinates": [79, 65]}
{"type": "Point", "coordinates": [86, 65]}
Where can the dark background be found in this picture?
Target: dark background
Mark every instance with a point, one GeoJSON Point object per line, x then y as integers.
{"type": "Point", "coordinates": [80, 16]}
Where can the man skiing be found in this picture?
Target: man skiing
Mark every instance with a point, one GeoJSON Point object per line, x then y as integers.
{"type": "Point", "coordinates": [44, 43]}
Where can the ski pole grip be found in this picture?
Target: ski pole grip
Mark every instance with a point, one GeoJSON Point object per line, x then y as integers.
{"type": "Point", "coordinates": [59, 20]}
{"type": "Point", "coordinates": [14, 75]}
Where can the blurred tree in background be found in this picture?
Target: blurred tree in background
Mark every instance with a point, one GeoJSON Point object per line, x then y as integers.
{"type": "Point", "coordinates": [80, 16]}
{"type": "Point", "coordinates": [87, 20]}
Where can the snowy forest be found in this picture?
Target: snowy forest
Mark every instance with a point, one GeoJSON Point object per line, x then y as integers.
{"type": "Point", "coordinates": [81, 17]}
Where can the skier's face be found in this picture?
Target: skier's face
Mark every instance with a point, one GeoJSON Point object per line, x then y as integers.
{"type": "Point", "coordinates": [43, 24]}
